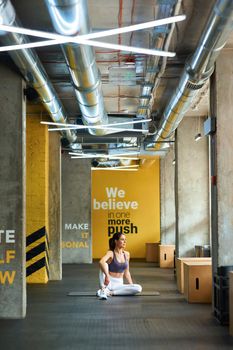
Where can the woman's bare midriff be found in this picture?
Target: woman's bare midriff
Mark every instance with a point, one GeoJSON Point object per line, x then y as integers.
{"type": "Point", "coordinates": [116, 274]}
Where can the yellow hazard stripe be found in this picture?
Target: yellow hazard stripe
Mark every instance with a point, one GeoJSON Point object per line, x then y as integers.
{"type": "Point", "coordinates": [37, 254]}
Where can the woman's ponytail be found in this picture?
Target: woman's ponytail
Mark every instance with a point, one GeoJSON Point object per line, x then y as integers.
{"type": "Point", "coordinates": [112, 243]}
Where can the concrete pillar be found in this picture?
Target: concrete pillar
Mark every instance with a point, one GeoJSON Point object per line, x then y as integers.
{"type": "Point", "coordinates": [221, 183]}
{"type": "Point", "coordinates": [167, 198]}
{"type": "Point", "coordinates": [12, 195]}
{"type": "Point", "coordinates": [55, 257]}
{"type": "Point", "coordinates": [224, 157]}
{"type": "Point", "coordinates": [192, 203]}
{"type": "Point", "coordinates": [37, 255]}
{"type": "Point", "coordinates": [76, 210]}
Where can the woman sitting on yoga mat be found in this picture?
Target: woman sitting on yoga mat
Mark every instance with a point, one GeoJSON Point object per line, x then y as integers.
{"type": "Point", "coordinates": [113, 267]}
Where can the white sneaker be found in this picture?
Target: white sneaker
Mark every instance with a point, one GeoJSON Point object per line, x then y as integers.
{"type": "Point", "coordinates": [102, 294]}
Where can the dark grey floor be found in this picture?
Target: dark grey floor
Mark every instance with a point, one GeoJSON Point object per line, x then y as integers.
{"type": "Point", "coordinates": [57, 321]}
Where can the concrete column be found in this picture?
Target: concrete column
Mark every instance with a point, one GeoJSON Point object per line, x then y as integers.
{"type": "Point", "coordinates": [221, 183]}
{"type": "Point", "coordinates": [12, 195]}
{"type": "Point", "coordinates": [37, 255]}
{"type": "Point", "coordinates": [55, 253]}
{"type": "Point", "coordinates": [76, 210]}
{"type": "Point", "coordinates": [192, 204]}
{"type": "Point", "coordinates": [167, 198]}
{"type": "Point", "coordinates": [224, 158]}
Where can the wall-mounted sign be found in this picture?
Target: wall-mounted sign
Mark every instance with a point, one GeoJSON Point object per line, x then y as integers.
{"type": "Point", "coordinates": [125, 204]}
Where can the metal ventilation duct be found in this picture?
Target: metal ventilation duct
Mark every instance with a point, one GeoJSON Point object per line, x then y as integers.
{"type": "Point", "coordinates": [70, 17]}
{"type": "Point", "coordinates": [197, 70]}
{"type": "Point", "coordinates": [31, 68]}
{"type": "Point", "coordinates": [160, 40]}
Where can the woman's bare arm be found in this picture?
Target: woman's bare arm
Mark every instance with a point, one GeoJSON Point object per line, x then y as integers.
{"type": "Point", "coordinates": [104, 265]}
{"type": "Point", "coordinates": [127, 274]}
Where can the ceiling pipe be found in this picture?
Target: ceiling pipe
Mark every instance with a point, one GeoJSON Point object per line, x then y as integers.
{"type": "Point", "coordinates": [31, 68]}
{"type": "Point", "coordinates": [141, 153]}
{"type": "Point", "coordinates": [197, 70]}
{"type": "Point", "coordinates": [160, 40]}
{"type": "Point", "coordinates": [70, 17]}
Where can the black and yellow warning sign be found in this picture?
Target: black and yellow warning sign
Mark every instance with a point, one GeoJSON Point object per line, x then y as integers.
{"type": "Point", "coordinates": [37, 257]}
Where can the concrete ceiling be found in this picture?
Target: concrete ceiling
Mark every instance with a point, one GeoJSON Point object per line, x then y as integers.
{"type": "Point", "coordinates": [123, 98]}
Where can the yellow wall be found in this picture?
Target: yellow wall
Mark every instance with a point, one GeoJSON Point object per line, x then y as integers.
{"type": "Point", "coordinates": [36, 200]}
{"type": "Point", "coordinates": [141, 186]}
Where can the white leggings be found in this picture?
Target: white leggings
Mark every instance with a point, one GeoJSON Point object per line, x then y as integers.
{"type": "Point", "coordinates": [117, 286]}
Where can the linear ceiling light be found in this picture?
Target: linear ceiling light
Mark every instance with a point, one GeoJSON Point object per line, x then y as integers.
{"type": "Point", "coordinates": [104, 155]}
{"type": "Point", "coordinates": [109, 158]}
{"type": "Point", "coordinates": [103, 128]}
{"type": "Point", "coordinates": [125, 166]}
{"type": "Point", "coordinates": [85, 39]}
{"type": "Point", "coordinates": [110, 127]}
{"type": "Point", "coordinates": [90, 43]}
{"type": "Point", "coordinates": [134, 27]}
{"type": "Point", "coordinates": [75, 126]}
{"type": "Point", "coordinates": [113, 169]}
{"type": "Point", "coordinates": [104, 33]}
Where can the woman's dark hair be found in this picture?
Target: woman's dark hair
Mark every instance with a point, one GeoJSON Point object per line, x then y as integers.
{"type": "Point", "coordinates": [112, 243]}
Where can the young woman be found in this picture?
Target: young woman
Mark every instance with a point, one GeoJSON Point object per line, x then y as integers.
{"type": "Point", "coordinates": [113, 267]}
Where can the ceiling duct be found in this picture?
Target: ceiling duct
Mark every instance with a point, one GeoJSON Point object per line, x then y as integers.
{"type": "Point", "coordinates": [160, 40]}
{"type": "Point", "coordinates": [70, 17]}
{"type": "Point", "coordinates": [197, 70]}
{"type": "Point", "coordinates": [31, 68]}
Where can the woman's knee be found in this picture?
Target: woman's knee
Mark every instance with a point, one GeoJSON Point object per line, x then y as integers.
{"type": "Point", "coordinates": [137, 288]}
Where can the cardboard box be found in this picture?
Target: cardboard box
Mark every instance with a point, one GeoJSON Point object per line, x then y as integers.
{"type": "Point", "coordinates": [166, 256]}
{"type": "Point", "coordinates": [231, 302]}
{"type": "Point", "coordinates": [152, 252]}
{"type": "Point", "coordinates": [198, 282]}
{"type": "Point", "coordinates": [180, 270]}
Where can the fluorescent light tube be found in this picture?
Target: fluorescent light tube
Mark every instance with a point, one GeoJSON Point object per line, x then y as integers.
{"type": "Point", "coordinates": [103, 128]}
{"type": "Point", "coordinates": [124, 166]}
{"type": "Point", "coordinates": [93, 126]}
{"type": "Point", "coordinates": [85, 39]}
{"type": "Point", "coordinates": [126, 154]}
{"type": "Point", "coordinates": [101, 34]}
{"type": "Point", "coordinates": [139, 50]}
{"type": "Point", "coordinates": [31, 45]}
{"type": "Point", "coordinates": [109, 158]}
{"type": "Point", "coordinates": [104, 155]}
{"type": "Point", "coordinates": [134, 27]}
{"type": "Point", "coordinates": [113, 169]}
{"type": "Point", "coordinates": [143, 51]}
{"type": "Point", "coordinates": [76, 155]}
